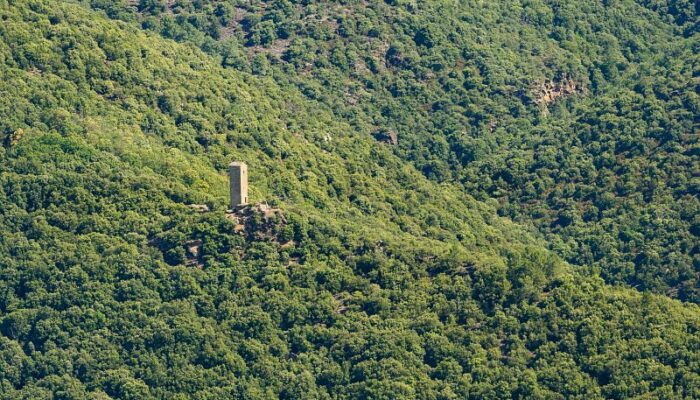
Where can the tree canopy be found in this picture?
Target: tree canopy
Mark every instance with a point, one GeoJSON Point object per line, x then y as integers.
{"type": "Point", "coordinates": [396, 271]}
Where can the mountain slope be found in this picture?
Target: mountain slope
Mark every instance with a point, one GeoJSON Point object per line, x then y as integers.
{"type": "Point", "coordinates": [379, 284]}
{"type": "Point", "coordinates": [579, 117]}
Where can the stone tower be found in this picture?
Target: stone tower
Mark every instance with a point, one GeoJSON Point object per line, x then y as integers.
{"type": "Point", "coordinates": [238, 181]}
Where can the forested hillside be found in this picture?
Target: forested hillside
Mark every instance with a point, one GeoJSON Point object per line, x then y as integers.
{"type": "Point", "coordinates": [382, 277]}
{"type": "Point", "coordinates": [579, 117]}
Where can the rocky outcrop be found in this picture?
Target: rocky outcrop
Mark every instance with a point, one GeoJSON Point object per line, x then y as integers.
{"type": "Point", "coordinates": [549, 91]}
{"type": "Point", "coordinates": [193, 250]}
{"type": "Point", "coordinates": [387, 136]}
{"type": "Point", "coordinates": [259, 221]}
{"type": "Point", "coordinates": [200, 208]}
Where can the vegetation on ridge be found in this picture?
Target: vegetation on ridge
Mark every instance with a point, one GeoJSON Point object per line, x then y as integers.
{"type": "Point", "coordinates": [579, 117]}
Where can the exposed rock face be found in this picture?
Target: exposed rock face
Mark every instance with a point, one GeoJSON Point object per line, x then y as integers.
{"type": "Point", "coordinates": [387, 136]}
{"type": "Point", "coordinates": [549, 91]}
{"type": "Point", "coordinates": [200, 208]}
{"type": "Point", "coordinates": [194, 251]}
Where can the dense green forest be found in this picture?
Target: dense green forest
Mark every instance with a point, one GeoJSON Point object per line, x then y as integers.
{"type": "Point", "coordinates": [436, 268]}
{"type": "Point", "coordinates": [579, 117]}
